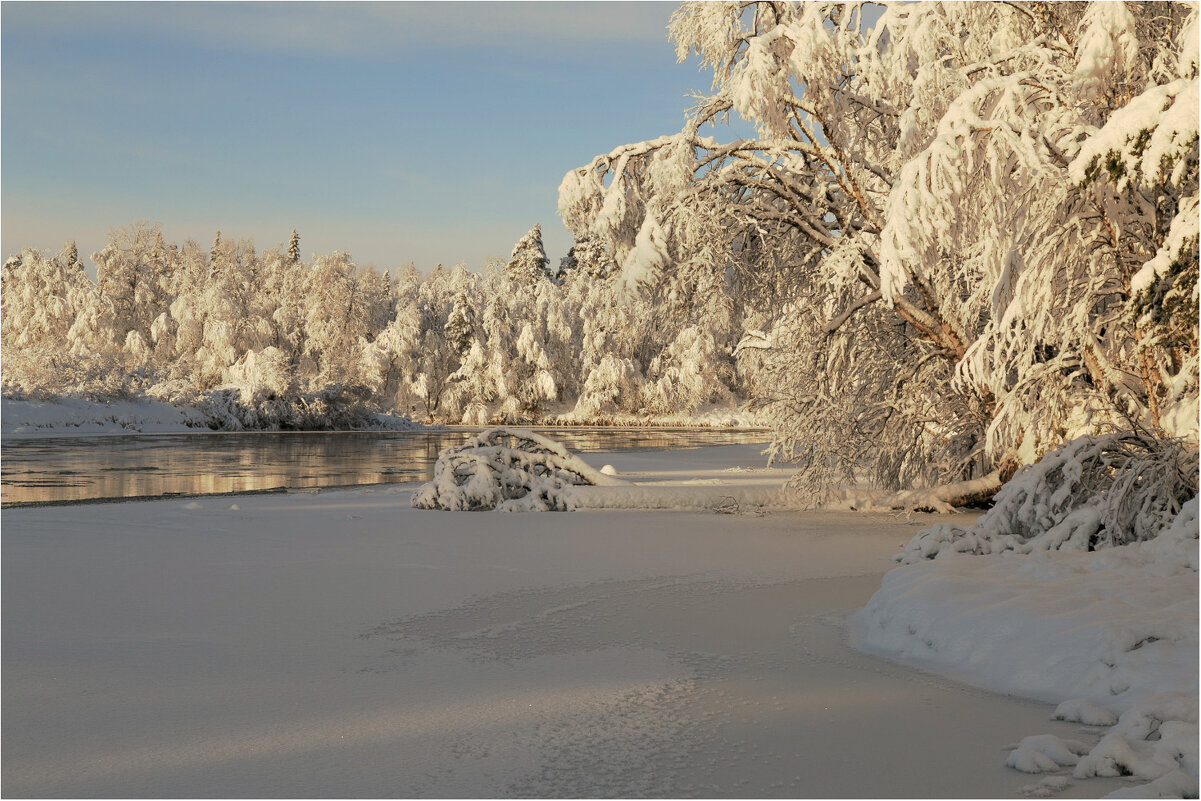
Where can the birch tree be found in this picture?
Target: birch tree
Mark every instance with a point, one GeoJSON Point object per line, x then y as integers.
{"type": "Point", "coordinates": [939, 222]}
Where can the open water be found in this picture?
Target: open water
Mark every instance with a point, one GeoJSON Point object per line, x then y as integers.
{"type": "Point", "coordinates": [113, 467]}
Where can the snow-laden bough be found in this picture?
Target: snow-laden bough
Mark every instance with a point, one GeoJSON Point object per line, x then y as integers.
{"type": "Point", "coordinates": [509, 470]}
{"type": "Point", "coordinates": [1091, 493]}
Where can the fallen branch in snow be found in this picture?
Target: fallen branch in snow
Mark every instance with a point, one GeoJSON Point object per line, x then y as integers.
{"type": "Point", "coordinates": [946, 497]}
{"type": "Point", "coordinates": [507, 469]}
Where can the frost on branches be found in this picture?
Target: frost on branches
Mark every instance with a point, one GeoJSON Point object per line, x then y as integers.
{"type": "Point", "coordinates": [509, 470]}
{"type": "Point", "coordinates": [964, 233]}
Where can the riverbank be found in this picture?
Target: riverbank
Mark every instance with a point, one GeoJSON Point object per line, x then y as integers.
{"type": "Point", "coordinates": [75, 417]}
{"type": "Point", "coordinates": [345, 644]}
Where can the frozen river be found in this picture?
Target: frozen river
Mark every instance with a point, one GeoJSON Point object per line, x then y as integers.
{"type": "Point", "coordinates": [344, 644]}
{"type": "Point", "coordinates": [141, 466]}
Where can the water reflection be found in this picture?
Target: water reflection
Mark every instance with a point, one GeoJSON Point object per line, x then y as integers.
{"type": "Point", "coordinates": [37, 471]}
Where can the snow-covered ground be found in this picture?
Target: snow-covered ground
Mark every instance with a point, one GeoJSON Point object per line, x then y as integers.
{"type": "Point", "coordinates": [345, 644]}
{"type": "Point", "coordinates": [1103, 634]}
{"type": "Point", "coordinates": [73, 417]}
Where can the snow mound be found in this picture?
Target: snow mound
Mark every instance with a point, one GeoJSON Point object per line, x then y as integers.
{"type": "Point", "coordinates": [1092, 492]}
{"type": "Point", "coordinates": [1044, 753]}
{"type": "Point", "coordinates": [1082, 710]}
{"type": "Point", "coordinates": [1168, 759]}
{"type": "Point", "coordinates": [1045, 788]}
{"type": "Point", "coordinates": [507, 469]}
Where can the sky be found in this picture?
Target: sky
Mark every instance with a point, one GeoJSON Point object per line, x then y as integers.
{"type": "Point", "coordinates": [423, 132]}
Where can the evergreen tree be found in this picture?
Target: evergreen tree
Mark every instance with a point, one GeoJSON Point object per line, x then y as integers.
{"type": "Point", "coordinates": [587, 257]}
{"type": "Point", "coordinates": [460, 326]}
{"type": "Point", "coordinates": [70, 255]}
{"type": "Point", "coordinates": [528, 264]}
{"type": "Point", "coordinates": [294, 248]}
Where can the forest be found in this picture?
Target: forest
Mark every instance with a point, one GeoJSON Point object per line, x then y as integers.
{"type": "Point", "coordinates": [962, 235]}
{"type": "Point", "coordinates": [268, 340]}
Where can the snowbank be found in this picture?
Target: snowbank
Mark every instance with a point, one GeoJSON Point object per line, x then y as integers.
{"type": "Point", "coordinates": [1114, 627]}
{"type": "Point", "coordinates": [707, 416]}
{"type": "Point", "coordinates": [1103, 632]}
{"type": "Point", "coordinates": [73, 417]}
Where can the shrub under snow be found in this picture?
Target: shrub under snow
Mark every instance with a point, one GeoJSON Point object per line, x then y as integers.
{"type": "Point", "coordinates": [507, 469]}
{"type": "Point", "coordinates": [1093, 492]}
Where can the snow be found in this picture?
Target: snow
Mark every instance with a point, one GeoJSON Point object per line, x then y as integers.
{"type": "Point", "coordinates": [515, 470]}
{"type": "Point", "coordinates": [1082, 710]}
{"type": "Point", "coordinates": [73, 417]}
{"type": "Point", "coordinates": [510, 470]}
{"type": "Point", "coordinates": [1045, 752]}
{"type": "Point", "coordinates": [1107, 46]}
{"type": "Point", "coordinates": [1110, 635]}
{"type": "Point", "coordinates": [1182, 233]}
{"type": "Point", "coordinates": [1145, 113]}
{"type": "Point", "coordinates": [346, 644]}
{"type": "Point", "coordinates": [1114, 627]}
{"type": "Point", "coordinates": [1090, 492]}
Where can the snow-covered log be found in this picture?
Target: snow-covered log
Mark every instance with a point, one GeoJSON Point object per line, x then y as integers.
{"type": "Point", "coordinates": [1093, 492]}
{"type": "Point", "coordinates": [946, 497]}
{"type": "Point", "coordinates": [507, 469]}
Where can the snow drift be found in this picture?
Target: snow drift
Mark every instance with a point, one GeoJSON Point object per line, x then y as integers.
{"type": "Point", "coordinates": [1078, 587]}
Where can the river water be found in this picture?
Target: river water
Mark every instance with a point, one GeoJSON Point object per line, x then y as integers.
{"type": "Point", "coordinates": [153, 465]}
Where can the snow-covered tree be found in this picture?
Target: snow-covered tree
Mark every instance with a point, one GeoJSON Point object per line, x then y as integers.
{"type": "Point", "coordinates": [531, 381]}
{"type": "Point", "coordinates": [294, 248]}
{"type": "Point", "coordinates": [587, 258]}
{"type": "Point", "coordinates": [937, 224]}
{"type": "Point", "coordinates": [614, 385]}
{"type": "Point", "coordinates": [236, 311]}
{"type": "Point", "coordinates": [688, 374]}
{"type": "Point", "coordinates": [461, 321]}
{"type": "Point", "coordinates": [437, 357]}
{"type": "Point", "coordinates": [390, 361]}
{"type": "Point", "coordinates": [132, 277]}
{"type": "Point", "coordinates": [339, 315]}
{"type": "Point", "coordinates": [46, 350]}
{"type": "Point", "coordinates": [528, 264]}
{"type": "Point", "coordinates": [264, 339]}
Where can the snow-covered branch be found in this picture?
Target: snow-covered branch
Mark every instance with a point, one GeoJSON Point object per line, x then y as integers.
{"type": "Point", "coordinates": [508, 470]}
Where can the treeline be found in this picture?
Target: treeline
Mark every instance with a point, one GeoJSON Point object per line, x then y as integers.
{"type": "Point", "coordinates": [268, 340]}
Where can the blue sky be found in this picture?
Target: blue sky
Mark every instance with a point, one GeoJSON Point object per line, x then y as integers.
{"type": "Point", "coordinates": [425, 132]}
